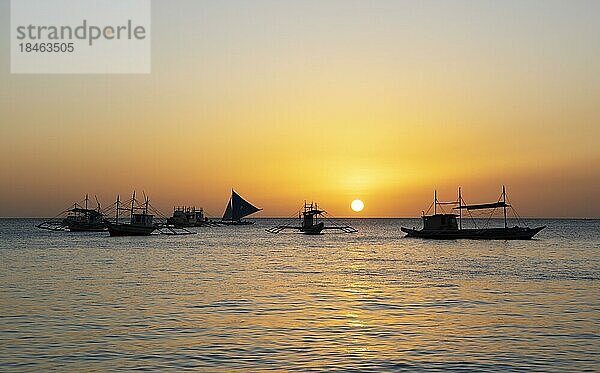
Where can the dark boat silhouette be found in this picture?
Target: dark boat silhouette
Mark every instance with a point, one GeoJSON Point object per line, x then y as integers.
{"type": "Point", "coordinates": [185, 217]}
{"type": "Point", "coordinates": [78, 219]}
{"type": "Point", "coordinates": [311, 222]}
{"type": "Point", "coordinates": [446, 226]}
{"type": "Point", "coordinates": [140, 221]}
{"type": "Point", "coordinates": [237, 208]}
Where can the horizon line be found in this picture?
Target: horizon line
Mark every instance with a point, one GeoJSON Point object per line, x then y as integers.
{"type": "Point", "coordinates": [364, 217]}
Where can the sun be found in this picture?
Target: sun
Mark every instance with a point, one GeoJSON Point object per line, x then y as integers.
{"type": "Point", "coordinates": [357, 205]}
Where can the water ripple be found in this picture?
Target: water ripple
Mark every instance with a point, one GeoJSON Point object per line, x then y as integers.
{"type": "Point", "coordinates": [237, 299]}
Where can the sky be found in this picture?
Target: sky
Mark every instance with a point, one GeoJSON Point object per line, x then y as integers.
{"type": "Point", "coordinates": [287, 101]}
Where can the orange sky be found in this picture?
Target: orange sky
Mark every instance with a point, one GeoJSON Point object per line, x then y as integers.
{"type": "Point", "coordinates": [383, 101]}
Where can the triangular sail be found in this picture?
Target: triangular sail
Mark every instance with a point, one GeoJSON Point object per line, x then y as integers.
{"type": "Point", "coordinates": [240, 207]}
{"type": "Point", "coordinates": [228, 215]}
{"type": "Point", "coordinates": [237, 208]}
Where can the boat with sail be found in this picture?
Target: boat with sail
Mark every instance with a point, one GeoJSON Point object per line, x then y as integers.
{"type": "Point", "coordinates": [311, 222]}
{"type": "Point", "coordinates": [78, 218]}
{"type": "Point", "coordinates": [140, 221]}
{"type": "Point", "coordinates": [238, 208]}
{"type": "Point", "coordinates": [450, 225]}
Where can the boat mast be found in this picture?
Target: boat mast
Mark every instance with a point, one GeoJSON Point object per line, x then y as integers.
{"type": "Point", "coordinates": [117, 215]}
{"type": "Point", "coordinates": [231, 202]}
{"type": "Point", "coordinates": [435, 202]}
{"type": "Point", "coordinates": [132, 204]}
{"type": "Point", "coordinates": [504, 200]}
{"type": "Point", "coordinates": [459, 209]}
{"type": "Point", "coordinates": [86, 201]}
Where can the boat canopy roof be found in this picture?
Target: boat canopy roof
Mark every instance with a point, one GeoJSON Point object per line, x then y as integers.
{"type": "Point", "coordinates": [483, 206]}
{"type": "Point", "coordinates": [313, 212]}
{"type": "Point", "coordinates": [84, 211]}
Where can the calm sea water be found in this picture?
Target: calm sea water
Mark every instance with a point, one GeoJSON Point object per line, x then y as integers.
{"type": "Point", "coordinates": [240, 299]}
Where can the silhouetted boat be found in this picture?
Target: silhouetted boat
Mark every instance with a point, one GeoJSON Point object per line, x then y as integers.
{"type": "Point", "coordinates": [78, 219]}
{"type": "Point", "coordinates": [184, 217]}
{"type": "Point", "coordinates": [238, 208]}
{"type": "Point", "coordinates": [140, 221]}
{"type": "Point", "coordinates": [445, 226]}
{"type": "Point", "coordinates": [311, 222]}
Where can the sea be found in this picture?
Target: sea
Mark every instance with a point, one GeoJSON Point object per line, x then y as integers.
{"type": "Point", "coordinates": [237, 298]}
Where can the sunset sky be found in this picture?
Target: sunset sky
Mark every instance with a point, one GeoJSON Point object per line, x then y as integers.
{"type": "Point", "coordinates": [321, 100]}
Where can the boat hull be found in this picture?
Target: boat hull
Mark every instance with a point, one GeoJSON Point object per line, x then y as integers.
{"type": "Point", "coordinates": [130, 230]}
{"type": "Point", "coordinates": [313, 229]}
{"type": "Point", "coordinates": [181, 224]}
{"type": "Point", "coordinates": [513, 233]}
{"type": "Point", "coordinates": [192, 224]}
{"type": "Point", "coordinates": [86, 227]}
{"type": "Point", "coordinates": [62, 226]}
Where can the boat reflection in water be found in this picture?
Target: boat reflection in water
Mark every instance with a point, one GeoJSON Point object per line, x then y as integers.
{"type": "Point", "coordinates": [447, 226]}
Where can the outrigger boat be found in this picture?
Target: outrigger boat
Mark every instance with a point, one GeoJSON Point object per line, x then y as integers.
{"type": "Point", "coordinates": [78, 219]}
{"type": "Point", "coordinates": [140, 221]}
{"type": "Point", "coordinates": [445, 226]}
{"type": "Point", "coordinates": [237, 208]}
{"type": "Point", "coordinates": [184, 217]}
{"type": "Point", "coordinates": [311, 222]}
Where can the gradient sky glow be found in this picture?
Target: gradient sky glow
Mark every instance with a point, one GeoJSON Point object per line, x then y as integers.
{"type": "Point", "coordinates": [326, 100]}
